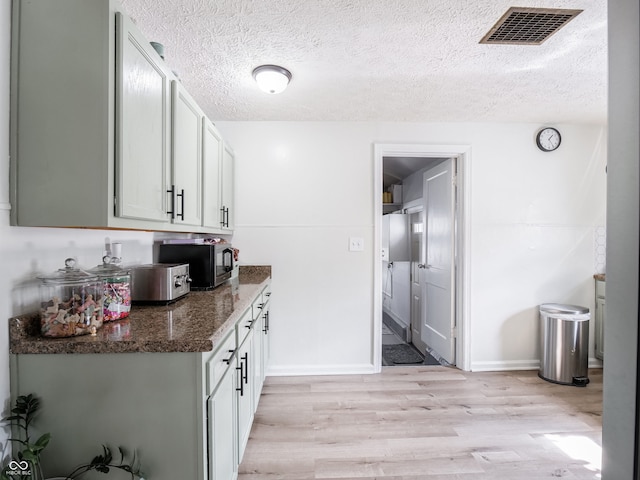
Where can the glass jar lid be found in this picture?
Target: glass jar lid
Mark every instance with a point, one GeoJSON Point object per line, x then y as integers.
{"type": "Point", "coordinates": [70, 274]}
{"type": "Point", "coordinates": [110, 268]}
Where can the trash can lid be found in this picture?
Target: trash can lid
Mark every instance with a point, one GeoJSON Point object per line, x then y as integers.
{"type": "Point", "coordinates": [559, 308]}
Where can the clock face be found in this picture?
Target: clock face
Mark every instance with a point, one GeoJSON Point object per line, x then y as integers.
{"type": "Point", "coordinates": [548, 139]}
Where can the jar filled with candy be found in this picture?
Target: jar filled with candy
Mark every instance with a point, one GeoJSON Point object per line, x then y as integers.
{"type": "Point", "coordinates": [71, 302]}
{"type": "Point", "coordinates": [116, 288]}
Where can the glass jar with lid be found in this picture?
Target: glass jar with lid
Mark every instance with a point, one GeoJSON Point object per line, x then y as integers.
{"type": "Point", "coordinates": [71, 302]}
{"type": "Point", "coordinates": [116, 288]}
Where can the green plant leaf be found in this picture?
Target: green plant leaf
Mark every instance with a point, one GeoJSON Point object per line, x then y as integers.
{"type": "Point", "coordinates": [43, 441]}
{"type": "Point", "coordinates": [123, 454]}
{"type": "Point", "coordinates": [30, 456]}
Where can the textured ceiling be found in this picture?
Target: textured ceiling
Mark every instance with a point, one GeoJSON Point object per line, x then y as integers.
{"type": "Point", "coordinates": [380, 60]}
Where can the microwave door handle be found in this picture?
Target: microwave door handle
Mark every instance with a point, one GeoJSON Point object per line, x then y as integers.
{"type": "Point", "coordinates": [227, 266]}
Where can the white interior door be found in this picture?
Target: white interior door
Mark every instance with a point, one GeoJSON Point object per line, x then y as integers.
{"type": "Point", "coordinates": [416, 225]}
{"type": "Point", "coordinates": [438, 297]}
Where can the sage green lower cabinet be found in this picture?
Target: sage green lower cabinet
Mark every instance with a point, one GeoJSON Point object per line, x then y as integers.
{"type": "Point", "coordinates": [258, 371]}
{"type": "Point", "coordinates": [151, 402]}
{"type": "Point", "coordinates": [223, 452]}
{"type": "Point", "coordinates": [246, 365]}
{"type": "Point", "coordinates": [222, 408]}
{"type": "Point", "coordinates": [265, 338]}
{"type": "Point", "coordinates": [188, 415]}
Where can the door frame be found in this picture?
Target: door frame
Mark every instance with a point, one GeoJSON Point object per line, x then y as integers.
{"type": "Point", "coordinates": [463, 241]}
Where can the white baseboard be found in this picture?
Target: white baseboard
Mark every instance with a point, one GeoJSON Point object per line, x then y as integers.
{"type": "Point", "coordinates": [297, 370]}
{"type": "Point", "coordinates": [400, 321]}
{"type": "Point", "coordinates": [595, 363]}
{"type": "Point", "coordinates": [507, 365]}
{"type": "Point", "coordinates": [359, 369]}
{"type": "Point", "coordinates": [499, 366]}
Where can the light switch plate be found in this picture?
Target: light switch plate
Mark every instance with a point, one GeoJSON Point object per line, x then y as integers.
{"type": "Point", "coordinates": [356, 244]}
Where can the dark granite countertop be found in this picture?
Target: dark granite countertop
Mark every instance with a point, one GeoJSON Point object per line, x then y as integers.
{"type": "Point", "coordinates": [195, 323]}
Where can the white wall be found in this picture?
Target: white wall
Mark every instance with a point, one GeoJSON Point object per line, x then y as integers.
{"type": "Point", "coordinates": [304, 188]}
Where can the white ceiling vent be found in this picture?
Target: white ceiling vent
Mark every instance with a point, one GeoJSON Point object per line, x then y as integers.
{"type": "Point", "coordinates": [528, 26]}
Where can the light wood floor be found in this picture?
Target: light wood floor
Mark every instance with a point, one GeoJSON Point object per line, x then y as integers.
{"type": "Point", "coordinates": [410, 423]}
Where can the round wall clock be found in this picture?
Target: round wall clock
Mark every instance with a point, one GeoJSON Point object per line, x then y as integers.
{"type": "Point", "coordinates": [548, 139]}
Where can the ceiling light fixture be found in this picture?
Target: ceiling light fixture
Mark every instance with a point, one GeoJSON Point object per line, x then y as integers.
{"type": "Point", "coordinates": [272, 78]}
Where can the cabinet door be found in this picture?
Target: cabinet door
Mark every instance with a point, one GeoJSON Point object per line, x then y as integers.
{"type": "Point", "coordinates": [222, 429]}
{"type": "Point", "coordinates": [211, 166]}
{"type": "Point", "coordinates": [266, 339]}
{"type": "Point", "coordinates": [186, 165]}
{"type": "Point", "coordinates": [245, 392]}
{"type": "Point", "coordinates": [142, 127]}
{"type": "Point", "coordinates": [258, 360]}
{"type": "Point", "coordinates": [227, 220]}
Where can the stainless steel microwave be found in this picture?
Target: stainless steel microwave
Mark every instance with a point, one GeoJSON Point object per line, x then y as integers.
{"type": "Point", "coordinates": [209, 264]}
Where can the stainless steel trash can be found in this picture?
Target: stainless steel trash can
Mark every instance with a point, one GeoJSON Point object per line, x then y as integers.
{"type": "Point", "coordinates": [564, 335]}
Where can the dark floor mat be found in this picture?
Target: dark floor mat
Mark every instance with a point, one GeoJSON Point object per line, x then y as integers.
{"type": "Point", "coordinates": [401, 354]}
{"type": "Point", "coordinates": [430, 360]}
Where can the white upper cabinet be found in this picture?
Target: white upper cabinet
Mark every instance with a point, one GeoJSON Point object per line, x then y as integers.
{"type": "Point", "coordinates": [211, 178]}
{"type": "Point", "coordinates": [227, 204]}
{"type": "Point", "coordinates": [142, 127]}
{"type": "Point", "coordinates": [102, 134]}
{"type": "Point", "coordinates": [185, 193]}
{"type": "Point", "coordinates": [63, 113]}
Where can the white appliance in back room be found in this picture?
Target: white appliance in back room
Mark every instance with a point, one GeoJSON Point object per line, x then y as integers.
{"type": "Point", "coordinates": [395, 270]}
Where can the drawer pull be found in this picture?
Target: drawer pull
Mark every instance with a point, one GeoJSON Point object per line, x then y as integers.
{"type": "Point", "coordinates": [228, 360]}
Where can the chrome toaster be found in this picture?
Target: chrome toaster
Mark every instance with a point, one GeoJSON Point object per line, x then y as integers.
{"type": "Point", "coordinates": [160, 282]}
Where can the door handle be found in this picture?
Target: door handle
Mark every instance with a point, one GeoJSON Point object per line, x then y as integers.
{"type": "Point", "coordinates": [172, 212]}
{"type": "Point", "coordinates": [181, 195]}
{"type": "Point", "coordinates": [241, 370]}
{"type": "Point", "coordinates": [422, 265]}
{"type": "Point", "coordinates": [245, 357]}
{"type": "Point", "coordinates": [225, 216]}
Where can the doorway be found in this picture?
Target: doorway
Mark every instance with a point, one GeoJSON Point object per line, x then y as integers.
{"type": "Point", "coordinates": [396, 163]}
